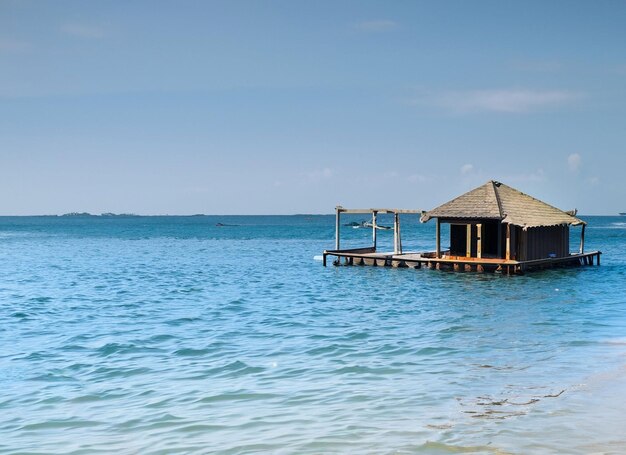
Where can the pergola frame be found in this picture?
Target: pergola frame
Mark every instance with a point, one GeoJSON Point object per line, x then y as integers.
{"type": "Point", "coordinates": [397, 242]}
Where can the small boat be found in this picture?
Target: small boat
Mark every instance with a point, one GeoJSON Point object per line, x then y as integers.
{"type": "Point", "coordinates": [366, 224]}
{"type": "Point", "coordinates": [369, 224]}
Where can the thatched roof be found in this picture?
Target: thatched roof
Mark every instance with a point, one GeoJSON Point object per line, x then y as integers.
{"type": "Point", "coordinates": [497, 201]}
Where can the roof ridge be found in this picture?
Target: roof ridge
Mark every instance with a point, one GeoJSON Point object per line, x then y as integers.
{"type": "Point", "coordinates": [495, 185]}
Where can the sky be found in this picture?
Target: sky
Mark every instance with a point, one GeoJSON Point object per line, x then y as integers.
{"type": "Point", "coordinates": [284, 107]}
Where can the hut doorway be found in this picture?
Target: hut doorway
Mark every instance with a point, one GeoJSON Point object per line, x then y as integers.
{"type": "Point", "coordinates": [476, 240]}
{"type": "Point", "coordinates": [490, 239]}
{"type": "Point", "coordinates": [462, 236]}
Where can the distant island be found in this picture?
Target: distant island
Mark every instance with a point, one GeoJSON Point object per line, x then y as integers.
{"type": "Point", "coordinates": [107, 214]}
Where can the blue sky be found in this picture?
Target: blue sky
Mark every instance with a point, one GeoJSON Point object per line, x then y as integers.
{"type": "Point", "coordinates": [278, 107]}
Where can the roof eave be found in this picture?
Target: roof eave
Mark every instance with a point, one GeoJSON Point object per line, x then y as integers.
{"type": "Point", "coordinates": [427, 217]}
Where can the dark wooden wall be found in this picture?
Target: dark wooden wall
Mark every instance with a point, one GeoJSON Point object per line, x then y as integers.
{"type": "Point", "coordinates": [541, 242]}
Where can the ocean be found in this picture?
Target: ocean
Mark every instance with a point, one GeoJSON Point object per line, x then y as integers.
{"type": "Point", "coordinates": [163, 335]}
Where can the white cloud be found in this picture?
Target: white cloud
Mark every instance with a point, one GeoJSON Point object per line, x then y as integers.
{"type": "Point", "coordinates": [82, 31]}
{"type": "Point", "coordinates": [574, 162]}
{"type": "Point", "coordinates": [507, 101]}
{"type": "Point", "coordinates": [376, 26]}
{"type": "Point", "coordinates": [467, 168]}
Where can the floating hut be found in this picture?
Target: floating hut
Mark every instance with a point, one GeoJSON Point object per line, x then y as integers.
{"type": "Point", "coordinates": [492, 228]}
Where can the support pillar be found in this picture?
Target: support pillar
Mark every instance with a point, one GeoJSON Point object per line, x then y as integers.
{"type": "Point", "coordinates": [479, 241]}
{"type": "Point", "coordinates": [508, 243]}
{"type": "Point", "coordinates": [468, 247]}
{"type": "Point", "coordinates": [337, 226]}
{"type": "Point", "coordinates": [581, 250]}
{"type": "Point", "coordinates": [438, 238]}
{"type": "Point", "coordinates": [374, 229]}
{"type": "Point", "coordinates": [396, 234]}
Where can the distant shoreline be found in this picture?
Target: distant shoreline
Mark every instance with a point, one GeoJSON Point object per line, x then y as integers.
{"type": "Point", "coordinates": [71, 215]}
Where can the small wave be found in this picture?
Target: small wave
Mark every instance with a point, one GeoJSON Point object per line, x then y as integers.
{"type": "Point", "coordinates": [162, 337]}
{"type": "Point", "coordinates": [93, 397]}
{"type": "Point", "coordinates": [234, 369]}
{"type": "Point", "coordinates": [435, 351]}
{"type": "Point", "coordinates": [21, 316]}
{"type": "Point", "coordinates": [40, 299]}
{"type": "Point", "coordinates": [615, 341]}
{"type": "Point", "coordinates": [190, 352]}
{"type": "Point", "coordinates": [359, 369]}
{"type": "Point", "coordinates": [238, 396]}
{"type": "Point", "coordinates": [440, 447]}
{"type": "Point", "coordinates": [117, 348]}
{"type": "Point", "coordinates": [60, 424]}
{"type": "Point", "coordinates": [105, 373]}
{"type": "Point", "coordinates": [181, 321]}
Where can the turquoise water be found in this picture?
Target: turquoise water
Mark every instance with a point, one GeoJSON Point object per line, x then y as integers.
{"type": "Point", "coordinates": [160, 335]}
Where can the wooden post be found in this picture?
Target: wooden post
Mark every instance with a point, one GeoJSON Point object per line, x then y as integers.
{"type": "Point", "coordinates": [508, 243]}
{"type": "Point", "coordinates": [374, 213]}
{"type": "Point", "coordinates": [396, 234]}
{"type": "Point", "coordinates": [581, 250]}
{"type": "Point", "coordinates": [337, 226]}
{"type": "Point", "coordinates": [399, 234]}
{"type": "Point", "coordinates": [479, 240]}
{"type": "Point", "coordinates": [438, 238]}
{"type": "Point", "coordinates": [468, 246]}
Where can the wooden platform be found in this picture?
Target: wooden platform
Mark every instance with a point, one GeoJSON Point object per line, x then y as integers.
{"type": "Point", "coordinates": [369, 256]}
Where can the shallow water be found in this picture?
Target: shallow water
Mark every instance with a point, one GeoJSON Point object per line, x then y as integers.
{"type": "Point", "coordinates": [173, 335]}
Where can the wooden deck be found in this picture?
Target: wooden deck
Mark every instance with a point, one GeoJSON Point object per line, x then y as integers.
{"type": "Point", "coordinates": [369, 256]}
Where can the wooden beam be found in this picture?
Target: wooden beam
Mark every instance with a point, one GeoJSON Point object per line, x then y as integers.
{"type": "Point", "coordinates": [479, 240]}
{"type": "Point", "coordinates": [438, 238]}
{"type": "Point", "coordinates": [468, 246]}
{"type": "Point", "coordinates": [378, 210]}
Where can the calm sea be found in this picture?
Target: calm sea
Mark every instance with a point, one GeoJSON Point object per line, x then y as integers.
{"type": "Point", "coordinates": [161, 335]}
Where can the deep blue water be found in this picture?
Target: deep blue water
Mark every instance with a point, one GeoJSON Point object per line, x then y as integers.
{"type": "Point", "coordinates": [172, 335]}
